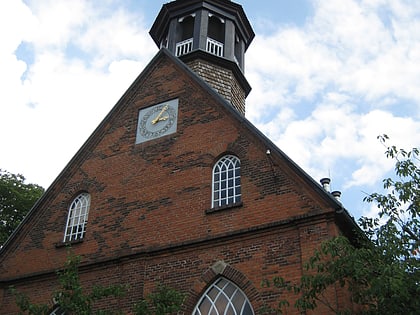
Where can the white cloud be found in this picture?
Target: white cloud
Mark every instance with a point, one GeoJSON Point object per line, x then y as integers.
{"type": "Point", "coordinates": [348, 75]}
{"type": "Point", "coordinates": [12, 14]}
{"type": "Point", "coordinates": [347, 47]}
{"type": "Point", "coordinates": [322, 90]}
{"type": "Point", "coordinates": [335, 133]}
{"type": "Point", "coordinates": [81, 65]}
{"type": "Point", "coordinates": [58, 22]}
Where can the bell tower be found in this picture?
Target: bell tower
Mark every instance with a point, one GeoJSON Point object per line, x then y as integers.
{"type": "Point", "coordinates": [211, 37]}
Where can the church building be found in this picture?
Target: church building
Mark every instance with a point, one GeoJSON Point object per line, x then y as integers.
{"type": "Point", "coordinates": [176, 187]}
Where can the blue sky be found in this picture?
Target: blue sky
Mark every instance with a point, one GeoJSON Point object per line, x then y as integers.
{"type": "Point", "coordinates": [328, 77]}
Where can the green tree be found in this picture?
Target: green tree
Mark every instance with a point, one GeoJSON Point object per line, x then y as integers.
{"type": "Point", "coordinates": [71, 297]}
{"type": "Point", "coordinates": [16, 199]}
{"type": "Point", "coordinates": [381, 270]}
{"type": "Point", "coordinates": [74, 300]}
{"type": "Point", "coordinates": [164, 300]}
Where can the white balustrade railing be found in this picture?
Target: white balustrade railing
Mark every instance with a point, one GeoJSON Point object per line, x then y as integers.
{"type": "Point", "coordinates": [184, 47]}
{"type": "Point", "coordinates": [214, 47]}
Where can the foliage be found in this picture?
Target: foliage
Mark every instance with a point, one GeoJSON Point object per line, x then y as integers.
{"type": "Point", "coordinates": [25, 305]}
{"type": "Point", "coordinates": [71, 297]}
{"type": "Point", "coordinates": [73, 300]}
{"type": "Point", "coordinates": [163, 301]}
{"type": "Point", "coordinates": [381, 270]}
{"type": "Point", "coordinates": [16, 199]}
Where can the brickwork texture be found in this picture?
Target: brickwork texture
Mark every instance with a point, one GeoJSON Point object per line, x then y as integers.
{"type": "Point", "coordinates": [149, 221]}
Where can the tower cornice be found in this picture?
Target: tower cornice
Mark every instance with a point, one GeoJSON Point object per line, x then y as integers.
{"type": "Point", "coordinates": [222, 62]}
{"type": "Point", "coordinates": [181, 8]}
{"type": "Point", "coordinates": [211, 37]}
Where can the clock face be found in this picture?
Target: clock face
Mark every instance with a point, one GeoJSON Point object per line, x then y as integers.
{"type": "Point", "coordinates": [157, 121]}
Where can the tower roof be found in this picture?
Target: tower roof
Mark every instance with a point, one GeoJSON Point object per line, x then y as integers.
{"type": "Point", "coordinates": [178, 8]}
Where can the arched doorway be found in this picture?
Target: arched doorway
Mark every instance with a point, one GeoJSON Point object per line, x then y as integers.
{"type": "Point", "coordinates": [223, 297]}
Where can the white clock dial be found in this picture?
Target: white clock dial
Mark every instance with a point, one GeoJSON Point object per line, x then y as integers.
{"type": "Point", "coordinates": [157, 121]}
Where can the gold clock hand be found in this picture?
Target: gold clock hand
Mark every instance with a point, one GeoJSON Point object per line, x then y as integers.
{"type": "Point", "coordinates": [154, 121]}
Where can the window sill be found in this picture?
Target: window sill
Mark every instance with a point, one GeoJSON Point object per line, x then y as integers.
{"type": "Point", "coordinates": [225, 207]}
{"type": "Point", "coordinates": [68, 244]}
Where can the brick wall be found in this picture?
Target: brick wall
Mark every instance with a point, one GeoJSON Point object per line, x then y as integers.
{"type": "Point", "coordinates": [149, 220]}
{"type": "Point", "coordinates": [222, 80]}
{"type": "Point", "coordinates": [249, 258]}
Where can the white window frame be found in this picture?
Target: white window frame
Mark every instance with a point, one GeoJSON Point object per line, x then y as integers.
{"type": "Point", "coordinates": [223, 297]}
{"type": "Point", "coordinates": [57, 311]}
{"type": "Point", "coordinates": [226, 186]}
{"type": "Point", "coordinates": [77, 218]}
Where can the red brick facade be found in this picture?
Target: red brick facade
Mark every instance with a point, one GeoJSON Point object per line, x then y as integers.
{"type": "Point", "coordinates": [150, 217]}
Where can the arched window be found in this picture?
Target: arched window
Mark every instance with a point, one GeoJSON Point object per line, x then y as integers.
{"type": "Point", "coordinates": [187, 27]}
{"type": "Point", "coordinates": [186, 33]}
{"type": "Point", "coordinates": [216, 36]}
{"type": "Point", "coordinates": [216, 29]}
{"type": "Point", "coordinates": [57, 311]}
{"type": "Point", "coordinates": [77, 218]}
{"type": "Point", "coordinates": [223, 298]}
{"type": "Point", "coordinates": [226, 181]}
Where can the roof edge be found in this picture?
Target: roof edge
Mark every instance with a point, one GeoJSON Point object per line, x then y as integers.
{"type": "Point", "coordinates": [79, 154]}
{"type": "Point", "coordinates": [328, 197]}
{"type": "Point", "coordinates": [93, 140]}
